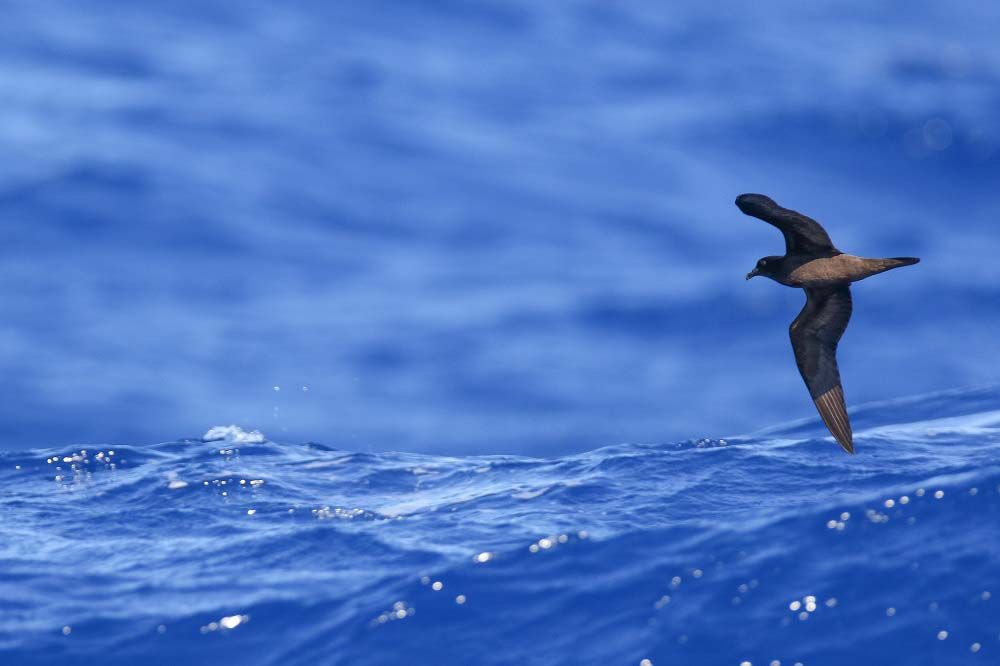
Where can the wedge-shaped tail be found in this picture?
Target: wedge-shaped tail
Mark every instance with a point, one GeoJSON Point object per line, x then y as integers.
{"type": "Point", "coordinates": [877, 266]}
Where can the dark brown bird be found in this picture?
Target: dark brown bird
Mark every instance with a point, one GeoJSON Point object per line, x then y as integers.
{"type": "Point", "coordinates": [812, 263]}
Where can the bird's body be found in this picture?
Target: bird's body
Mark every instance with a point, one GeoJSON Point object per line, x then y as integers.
{"type": "Point", "coordinates": [812, 272]}
{"type": "Point", "coordinates": [812, 263]}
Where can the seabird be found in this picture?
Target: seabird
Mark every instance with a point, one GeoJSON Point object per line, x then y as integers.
{"type": "Point", "coordinates": [812, 263]}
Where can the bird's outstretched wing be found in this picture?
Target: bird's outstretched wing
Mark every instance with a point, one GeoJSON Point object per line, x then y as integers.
{"type": "Point", "coordinates": [803, 235]}
{"type": "Point", "coordinates": [815, 334]}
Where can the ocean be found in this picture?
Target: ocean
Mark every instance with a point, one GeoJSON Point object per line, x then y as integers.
{"type": "Point", "coordinates": [501, 227]}
{"type": "Point", "coordinates": [764, 549]}
{"type": "Point", "coordinates": [420, 334]}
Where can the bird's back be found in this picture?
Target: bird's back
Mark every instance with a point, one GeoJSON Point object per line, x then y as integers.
{"type": "Point", "coordinates": [840, 269]}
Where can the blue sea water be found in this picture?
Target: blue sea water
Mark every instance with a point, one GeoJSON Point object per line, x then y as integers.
{"type": "Point", "coordinates": [761, 549]}
{"type": "Point", "coordinates": [478, 227]}
{"type": "Point", "coordinates": [485, 256]}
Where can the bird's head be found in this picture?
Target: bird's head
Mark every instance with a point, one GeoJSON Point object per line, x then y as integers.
{"type": "Point", "coordinates": [766, 267]}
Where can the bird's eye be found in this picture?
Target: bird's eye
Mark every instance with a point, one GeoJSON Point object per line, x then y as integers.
{"type": "Point", "coordinates": [762, 262]}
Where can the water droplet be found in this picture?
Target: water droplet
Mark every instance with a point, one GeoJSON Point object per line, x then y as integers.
{"type": "Point", "coordinates": [232, 621]}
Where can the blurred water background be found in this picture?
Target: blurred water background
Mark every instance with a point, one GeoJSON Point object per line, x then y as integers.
{"type": "Point", "coordinates": [485, 256]}
{"type": "Point", "coordinates": [478, 227]}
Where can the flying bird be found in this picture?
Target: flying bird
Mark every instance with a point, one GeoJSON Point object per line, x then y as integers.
{"type": "Point", "coordinates": [812, 263]}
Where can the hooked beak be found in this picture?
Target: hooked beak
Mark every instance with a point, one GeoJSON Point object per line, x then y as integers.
{"type": "Point", "coordinates": [753, 273]}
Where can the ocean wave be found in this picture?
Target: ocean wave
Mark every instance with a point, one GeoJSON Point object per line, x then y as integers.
{"type": "Point", "coordinates": [756, 549]}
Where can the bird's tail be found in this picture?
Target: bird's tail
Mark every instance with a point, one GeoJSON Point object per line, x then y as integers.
{"type": "Point", "coordinates": [876, 266]}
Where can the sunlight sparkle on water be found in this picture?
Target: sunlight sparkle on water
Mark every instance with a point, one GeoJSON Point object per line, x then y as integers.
{"type": "Point", "coordinates": [226, 623]}
{"type": "Point", "coordinates": [231, 621]}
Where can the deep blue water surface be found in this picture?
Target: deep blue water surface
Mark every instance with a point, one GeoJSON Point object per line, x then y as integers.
{"type": "Point", "coordinates": [478, 227]}
{"type": "Point", "coordinates": [764, 549]}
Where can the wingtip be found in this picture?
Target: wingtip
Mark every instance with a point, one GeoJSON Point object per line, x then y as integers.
{"type": "Point", "coordinates": [832, 409]}
{"type": "Point", "coordinates": [749, 202]}
{"type": "Point", "coordinates": [843, 437]}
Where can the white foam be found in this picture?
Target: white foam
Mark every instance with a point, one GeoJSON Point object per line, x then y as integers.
{"type": "Point", "coordinates": [233, 434]}
{"type": "Point", "coordinates": [982, 423]}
